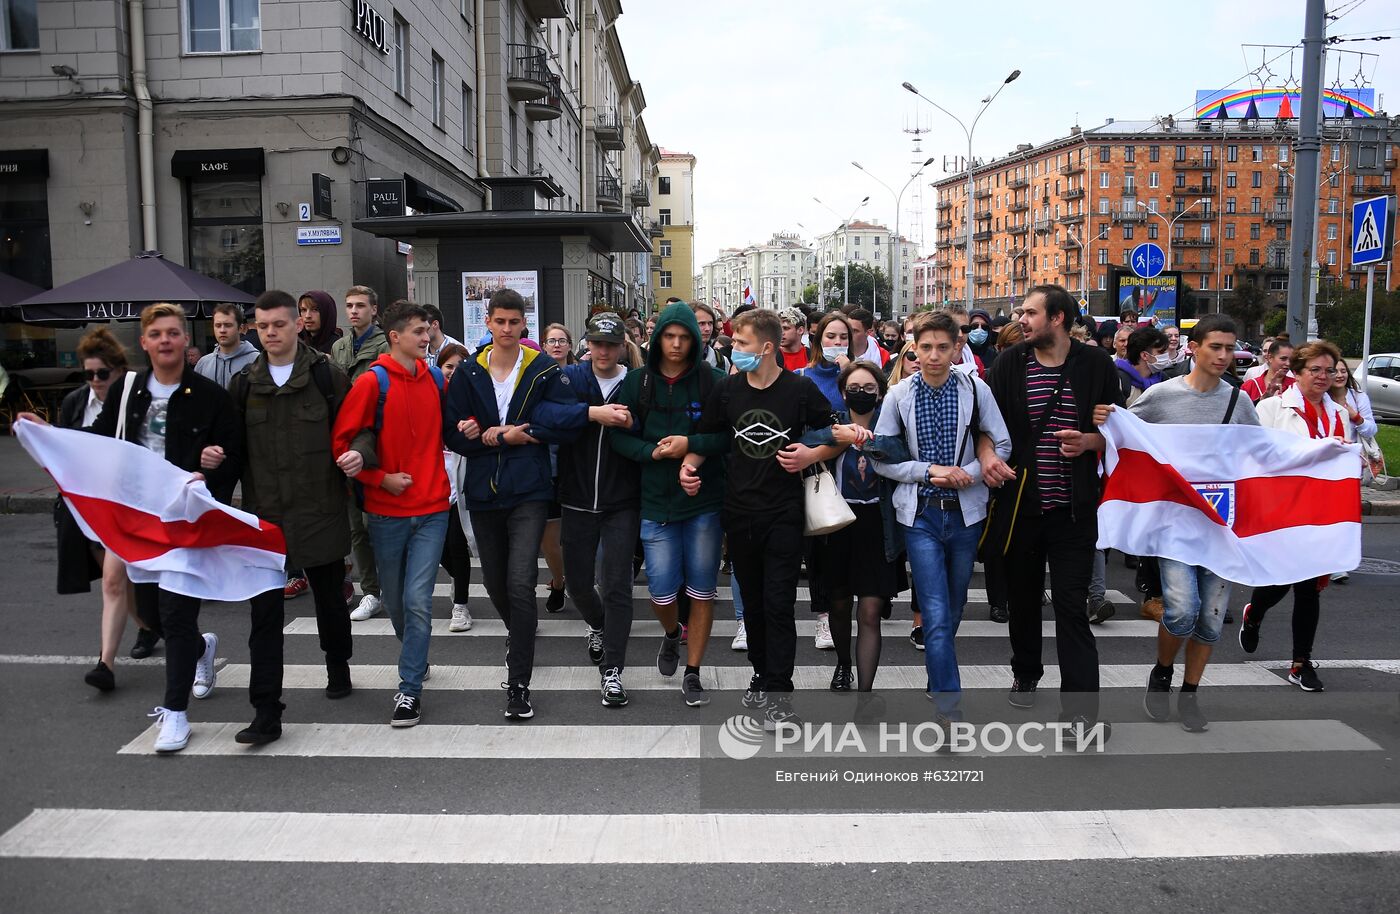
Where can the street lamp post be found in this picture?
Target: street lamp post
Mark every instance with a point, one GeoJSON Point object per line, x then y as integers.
{"type": "Point", "coordinates": [845, 246]}
{"type": "Point", "coordinates": [1171, 225]}
{"type": "Point", "coordinates": [898, 252]}
{"type": "Point", "coordinates": [986, 102]}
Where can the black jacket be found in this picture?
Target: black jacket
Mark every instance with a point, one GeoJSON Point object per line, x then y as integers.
{"type": "Point", "coordinates": [1093, 379]}
{"type": "Point", "coordinates": [77, 567]}
{"type": "Point", "coordinates": [592, 476]}
{"type": "Point", "coordinates": [201, 415]}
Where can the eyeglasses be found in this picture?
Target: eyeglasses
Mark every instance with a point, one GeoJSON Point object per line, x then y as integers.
{"type": "Point", "coordinates": [557, 341]}
{"type": "Point", "coordinates": [911, 356]}
{"type": "Point", "coordinates": [862, 389]}
{"type": "Point", "coordinates": [100, 374]}
{"type": "Point", "coordinates": [1318, 370]}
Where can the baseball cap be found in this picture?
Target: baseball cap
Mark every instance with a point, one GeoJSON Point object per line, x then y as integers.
{"type": "Point", "coordinates": [605, 328]}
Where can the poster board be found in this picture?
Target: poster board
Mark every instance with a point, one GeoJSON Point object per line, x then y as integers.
{"type": "Point", "coordinates": [1158, 297]}
{"type": "Point", "coordinates": [477, 289]}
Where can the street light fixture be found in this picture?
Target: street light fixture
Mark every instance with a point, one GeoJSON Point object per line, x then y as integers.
{"type": "Point", "coordinates": [898, 248]}
{"type": "Point", "coordinates": [909, 87]}
{"type": "Point", "coordinates": [845, 245]}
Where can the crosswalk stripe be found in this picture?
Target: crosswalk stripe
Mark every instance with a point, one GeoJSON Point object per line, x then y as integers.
{"type": "Point", "coordinates": [725, 594]}
{"type": "Point", "coordinates": [446, 678]}
{"type": "Point", "coordinates": [542, 565]}
{"type": "Point", "coordinates": [700, 838]}
{"type": "Point", "coordinates": [688, 741]}
{"type": "Point", "coordinates": [723, 628]}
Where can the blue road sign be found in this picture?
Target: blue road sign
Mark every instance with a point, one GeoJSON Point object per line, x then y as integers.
{"type": "Point", "coordinates": [1148, 260]}
{"type": "Point", "coordinates": [1372, 227]}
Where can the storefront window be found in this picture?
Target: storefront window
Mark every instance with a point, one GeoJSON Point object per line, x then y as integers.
{"type": "Point", "coordinates": [24, 232]}
{"type": "Point", "coordinates": [226, 231]}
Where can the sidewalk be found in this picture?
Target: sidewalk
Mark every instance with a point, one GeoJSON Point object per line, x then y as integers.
{"type": "Point", "coordinates": [26, 489]}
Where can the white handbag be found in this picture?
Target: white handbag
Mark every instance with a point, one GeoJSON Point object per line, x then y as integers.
{"type": "Point", "coordinates": [826, 510]}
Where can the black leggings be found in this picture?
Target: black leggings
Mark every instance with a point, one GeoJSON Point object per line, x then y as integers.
{"type": "Point", "coordinates": [457, 557]}
{"type": "Point", "coordinates": [1307, 608]}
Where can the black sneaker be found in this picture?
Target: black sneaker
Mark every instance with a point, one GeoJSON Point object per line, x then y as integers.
{"type": "Point", "coordinates": [669, 656]}
{"type": "Point", "coordinates": [694, 693]}
{"type": "Point", "coordinates": [1304, 676]}
{"type": "Point", "coordinates": [1082, 732]}
{"type": "Point", "coordinates": [267, 727]}
{"type": "Point", "coordinates": [518, 703]}
{"type": "Point", "coordinates": [555, 602]}
{"type": "Point", "coordinates": [726, 567]}
{"type": "Point", "coordinates": [1100, 610]}
{"type": "Point", "coordinates": [779, 711]}
{"type": "Point", "coordinates": [1022, 694]}
{"type": "Point", "coordinates": [1000, 615]}
{"type": "Point", "coordinates": [614, 695]}
{"type": "Point", "coordinates": [338, 680]}
{"type": "Point", "coordinates": [842, 680]}
{"type": "Point", "coordinates": [1249, 632]}
{"type": "Point", "coordinates": [146, 641]}
{"type": "Point", "coordinates": [101, 677]}
{"type": "Point", "coordinates": [1157, 701]}
{"type": "Point", "coordinates": [595, 645]}
{"type": "Point", "coordinates": [1188, 708]}
{"type": "Point", "coordinates": [916, 637]}
{"type": "Point", "coordinates": [755, 699]}
{"type": "Point", "coordinates": [1229, 617]}
{"type": "Point", "coordinates": [406, 711]}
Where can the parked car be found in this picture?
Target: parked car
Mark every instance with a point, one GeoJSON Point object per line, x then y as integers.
{"type": "Point", "coordinates": [1383, 384]}
{"type": "Point", "coordinates": [1245, 357]}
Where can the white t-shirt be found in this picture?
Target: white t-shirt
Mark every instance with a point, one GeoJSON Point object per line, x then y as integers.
{"type": "Point", "coordinates": [608, 385]}
{"type": "Point", "coordinates": [158, 415]}
{"type": "Point", "coordinates": [280, 373]}
{"type": "Point", "coordinates": [506, 389]}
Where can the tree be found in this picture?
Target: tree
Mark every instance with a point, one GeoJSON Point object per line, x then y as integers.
{"type": "Point", "coordinates": [809, 294]}
{"type": "Point", "coordinates": [1248, 306]}
{"type": "Point", "coordinates": [865, 280]}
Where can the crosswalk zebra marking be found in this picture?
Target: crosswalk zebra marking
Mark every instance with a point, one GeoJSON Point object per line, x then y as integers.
{"type": "Point", "coordinates": [725, 594]}
{"type": "Point", "coordinates": [700, 838]}
{"type": "Point", "coordinates": [580, 742]}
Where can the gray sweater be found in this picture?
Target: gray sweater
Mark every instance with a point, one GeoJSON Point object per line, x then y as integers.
{"type": "Point", "coordinates": [221, 368]}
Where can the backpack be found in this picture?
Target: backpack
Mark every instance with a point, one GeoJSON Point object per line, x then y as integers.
{"type": "Point", "coordinates": [320, 374]}
{"type": "Point", "coordinates": [381, 375]}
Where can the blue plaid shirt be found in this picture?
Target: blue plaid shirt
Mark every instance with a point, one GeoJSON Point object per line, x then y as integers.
{"type": "Point", "coordinates": [936, 426]}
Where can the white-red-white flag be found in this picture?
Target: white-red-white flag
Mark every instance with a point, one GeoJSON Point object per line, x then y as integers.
{"type": "Point", "coordinates": [748, 296]}
{"type": "Point", "coordinates": [169, 530]}
{"type": "Point", "coordinates": [1254, 505]}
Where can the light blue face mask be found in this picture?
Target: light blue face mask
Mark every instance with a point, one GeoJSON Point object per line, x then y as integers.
{"type": "Point", "coordinates": [746, 361]}
{"type": "Point", "coordinates": [978, 336]}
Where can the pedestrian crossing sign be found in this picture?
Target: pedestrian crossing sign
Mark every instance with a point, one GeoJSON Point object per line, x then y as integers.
{"type": "Point", "coordinates": [1372, 230]}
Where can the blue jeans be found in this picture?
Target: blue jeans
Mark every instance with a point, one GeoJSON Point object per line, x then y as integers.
{"type": "Point", "coordinates": [1193, 601]}
{"type": "Point", "coordinates": [407, 551]}
{"type": "Point", "coordinates": [682, 554]}
{"type": "Point", "coordinates": [942, 550]}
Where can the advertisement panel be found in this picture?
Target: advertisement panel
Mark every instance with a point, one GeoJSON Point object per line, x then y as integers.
{"type": "Point", "coordinates": [1158, 298]}
{"type": "Point", "coordinates": [477, 289]}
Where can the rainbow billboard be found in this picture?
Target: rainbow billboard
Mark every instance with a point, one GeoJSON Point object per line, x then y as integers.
{"type": "Point", "coordinates": [1247, 103]}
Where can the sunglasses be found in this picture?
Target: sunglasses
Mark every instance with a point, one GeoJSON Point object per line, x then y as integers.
{"type": "Point", "coordinates": [911, 356]}
{"type": "Point", "coordinates": [100, 374]}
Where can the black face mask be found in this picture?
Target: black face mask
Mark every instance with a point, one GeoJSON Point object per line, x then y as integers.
{"type": "Point", "coordinates": [892, 343]}
{"type": "Point", "coordinates": [861, 403]}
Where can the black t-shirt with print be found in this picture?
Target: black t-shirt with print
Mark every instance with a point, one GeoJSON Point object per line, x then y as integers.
{"type": "Point", "coordinates": [759, 423]}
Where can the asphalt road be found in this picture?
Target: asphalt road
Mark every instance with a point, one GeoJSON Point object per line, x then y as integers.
{"type": "Point", "coordinates": [1290, 800]}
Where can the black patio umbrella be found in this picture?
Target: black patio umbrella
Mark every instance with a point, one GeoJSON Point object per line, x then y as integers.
{"type": "Point", "coordinates": [14, 290]}
{"type": "Point", "coordinates": [118, 293]}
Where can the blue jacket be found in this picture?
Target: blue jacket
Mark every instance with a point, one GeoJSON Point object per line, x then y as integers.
{"type": "Point", "coordinates": [506, 475]}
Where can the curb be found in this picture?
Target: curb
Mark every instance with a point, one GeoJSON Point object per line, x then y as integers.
{"type": "Point", "coordinates": [27, 504]}
{"type": "Point", "coordinates": [1388, 508]}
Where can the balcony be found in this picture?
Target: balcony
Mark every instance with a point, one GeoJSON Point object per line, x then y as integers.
{"type": "Point", "coordinates": [1018, 182]}
{"type": "Point", "coordinates": [945, 204]}
{"type": "Point", "coordinates": [1279, 215]}
{"type": "Point", "coordinates": [982, 215]}
{"type": "Point", "coordinates": [1070, 218]}
{"type": "Point", "coordinates": [982, 236]}
{"type": "Point", "coordinates": [1074, 193]}
{"type": "Point", "coordinates": [655, 229]}
{"type": "Point", "coordinates": [528, 76]}
{"type": "Point", "coordinates": [982, 258]}
{"type": "Point", "coordinates": [1068, 243]}
{"type": "Point", "coordinates": [983, 279]}
{"type": "Point", "coordinates": [1197, 190]}
{"type": "Point", "coordinates": [547, 9]}
{"type": "Point", "coordinates": [656, 266]}
{"type": "Point", "coordinates": [1020, 229]}
{"type": "Point", "coordinates": [1129, 215]}
{"type": "Point", "coordinates": [1190, 164]}
{"type": "Point", "coordinates": [641, 193]}
{"type": "Point", "coordinates": [1193, 242]}
{"type": "Point", "coordinates": [1019, 272]}
{"type": "Point", "coordinates": [609, 193]}
{"type": "Point", "coordinates": [1042, 225]}
{"type": "Point", "coordinates": [960, 241]}
{"type": "Point", "coordinates": [1071, 168]}
{"type": "Point", "coordinates": [983, 193]}
{"type": "Point", "coordinates": [548, 108]}
{"type": "Point", "coordinates": [943, 224]}
{"type": "Point", "coordinates": [1019, 206]}
{"type": "Point", "coordinates": [607, 127]}
{"type": "Point", "coordinates": [1198, 215]}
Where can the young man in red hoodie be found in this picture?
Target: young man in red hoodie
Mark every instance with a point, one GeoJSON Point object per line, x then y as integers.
{"type": "Point", "coordinates": [406, 496]}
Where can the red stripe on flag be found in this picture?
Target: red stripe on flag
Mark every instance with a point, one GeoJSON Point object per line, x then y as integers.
{"type": "Point", "coordinates": [1262, 503]}
{"type": "Point", "coordinates": [136, 535]}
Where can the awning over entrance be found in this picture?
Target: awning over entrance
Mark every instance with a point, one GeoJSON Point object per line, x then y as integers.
{"type": "Point", "coordinates": [615, 232]}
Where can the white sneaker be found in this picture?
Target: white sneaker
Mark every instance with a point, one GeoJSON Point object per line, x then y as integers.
{"type": "Point", "coordinates": [174, 729]}
{"type": "Point", "coordinates": [204, 673]}
{"type": "Point", "coordinates": [824, 642]}
{"type": "Point", "coordinates": [369, 608]}
{"type": "Point", "coordinates": [741, 640]}
{"type": "Point", "coordinates": [461, 618]}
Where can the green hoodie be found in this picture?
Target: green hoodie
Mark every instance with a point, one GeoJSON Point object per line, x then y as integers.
{"type": "Point", "coordinates": [674, 410]}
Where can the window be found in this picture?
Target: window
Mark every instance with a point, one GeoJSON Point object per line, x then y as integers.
{"type": "Point", "coordinates": [1229, 257]}
{"type": "Point", "coordinates": [1278, 283]}
{"type": "Point", "coordinates": [1103, 179]}
{"type": "Point", "coordinates": [1256, 153]}
{"type": "Point", "coordinates": [1103, 281]}
{"type": "Point", "coordinates": [400, 56]}
{"type": "Point", "coordinates": [1229, 231]}
{"type": "Point", "coordinates": [1129, 153]}
{"type": "Point", "coordinates": [1154, 153]}
{"type": "Point", "coordinates": [665, 248]}
{"type": "Point", "coordinates": [1283, 154]}
{"type": "Point", "coordinates": [1336, 152]}
{"type": "Point", "coordinates": [665, 280]}
{"type": "Point", "coordinates": [211, 26]}
{"type": "Point", "coordinates": [1231, 179]}
{"type": "Point", "coordinates": [1229, 204]}
{"type": "Point", "coordinates": [468, 119]}
{"type": "Point", "coordinates": [19, 25]}
{"type": "Point", "coordinates": [1254, 231]}
{"type": "Point", "coordinates": [1105, 154]}
{"type": "Point", "coordinates": [1180, 153]}
{"type": "Point", "coordinates": [1130, 184]}
{"type": "Point", "coordinates": [1127, 231]}
{"type": "Point", "coordinates": [1103, 255]}
{"type": "Point", "coordinates": [1332, 179]}
{"type": "Point", "coordinates": [1179, 180]}
{"type": "Point", "coordinates": [663, 185]}
{"type": "Point", "coordinates": [1152, 179]}
{"type": "Point", "coordinates": [226, 230]}
{"type": "Point", "coordinates": [1256, 205]}
{"type": "Point", "coordinates": [1256, 179]}
{"type": "Point", "coordinates": [1229, 280]}
{"type": "Point", "coordinates": [24, 225]}
{"type": "Point", "coordinates": [1205, 282]}
{"type": "Point", "coordinates": [1254, 257]}
{"type": "Point", "coordinates": [1281, 232]}
{"type": "Point", "coordinates": [1232, 153]}
{"type": "Point", "coordinates": [1152, 231]}
{"type": "Point", "coordinates": [1332, 232]}
{"type": "Point", "coordinates": [1331, 258]}
{"type": "Point", "coordinates": [514, 141]}
{"type": "Point", "coordinates": [663, 216]}
{"type": "Point", "coordinates": [437, 91]}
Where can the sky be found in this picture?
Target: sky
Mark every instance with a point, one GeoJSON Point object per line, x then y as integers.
{"type": "Point", "coordinates": [776, 98]}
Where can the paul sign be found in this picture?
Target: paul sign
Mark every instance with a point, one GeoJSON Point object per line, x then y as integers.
{"type": "Point", "coordinates": [372, 26]}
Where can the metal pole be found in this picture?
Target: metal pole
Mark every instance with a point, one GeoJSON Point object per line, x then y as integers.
{"type": "Point", "coordinates": [1306, 163]}
{"type": "Point", "coordinates": [846, 267]}
{"type": "Point", "coordinates": [967, 264]}
{"type": "Point", "coordinates": [894, 261]}
{"type": "Point", "coordinates": [1366, 329]}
